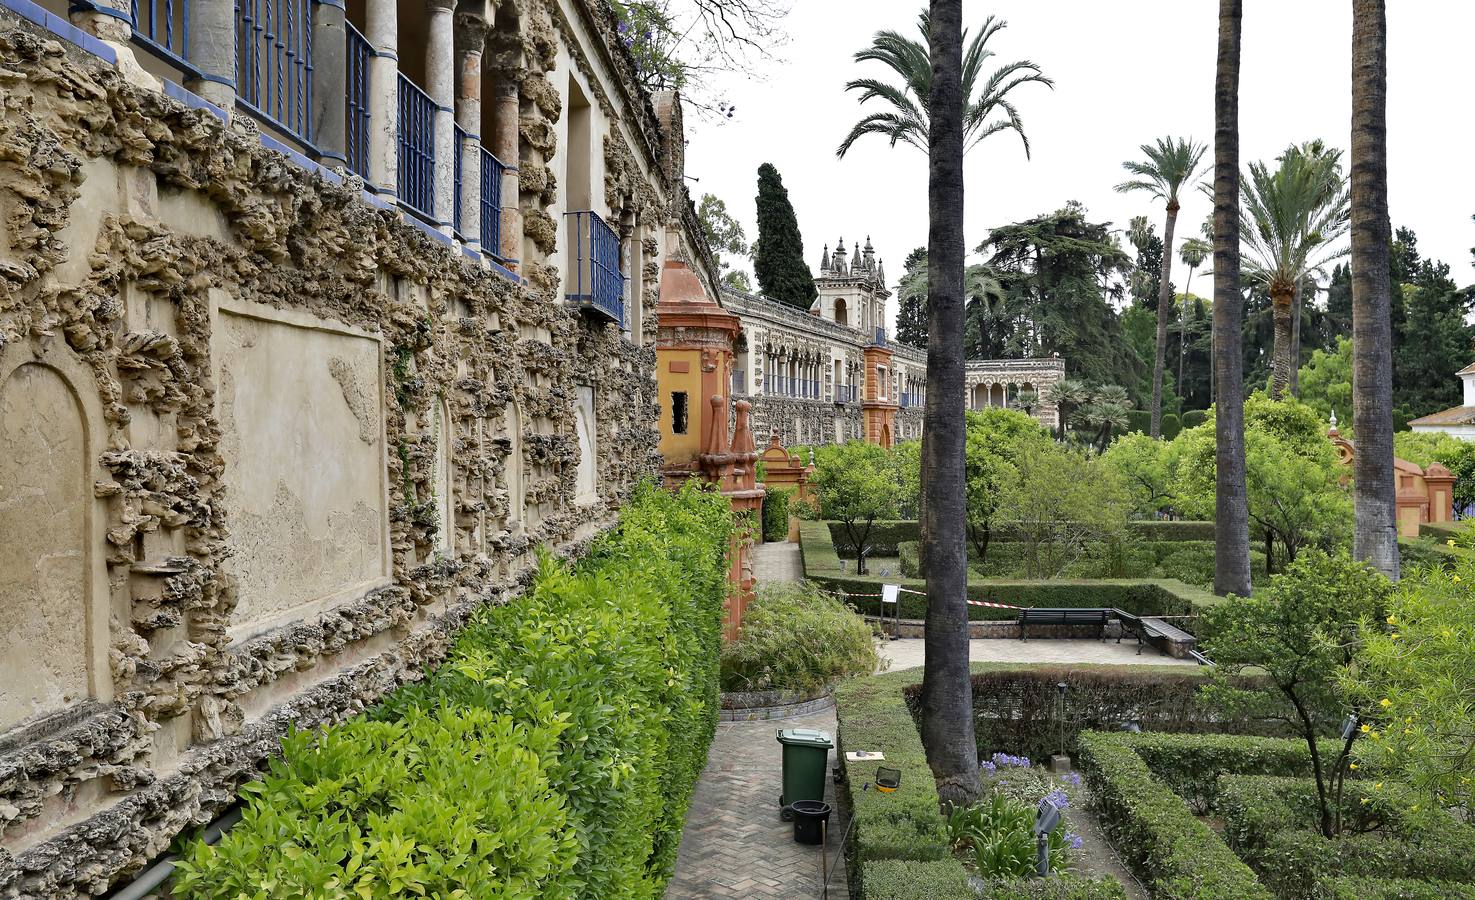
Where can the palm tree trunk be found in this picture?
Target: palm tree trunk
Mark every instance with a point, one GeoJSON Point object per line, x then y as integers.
{"type": "Point", "coordinates": [1376, 537]}
{"type": "Point", "coordinates": [1164, 300]}
{"type": "Point", "coordinates": [1282, 302]}
{"type": "Point", "coordinates": [1297, 305]}
{"type": "Point", "coordinates": [947, 689]}
{"type": "Point", "coordinates": [1183, 334]}
{"type": "Point", "coordinates": [1231, 507]}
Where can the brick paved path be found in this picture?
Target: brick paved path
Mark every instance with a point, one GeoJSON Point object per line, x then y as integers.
{"type": "Point", "coordinates": [734, 844]}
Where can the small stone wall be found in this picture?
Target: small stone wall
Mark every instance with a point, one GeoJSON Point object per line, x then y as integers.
{"type": "Point", "coordinates": [983, 629]}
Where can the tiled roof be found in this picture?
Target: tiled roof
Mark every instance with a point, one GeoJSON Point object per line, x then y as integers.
{"type": "Point", "coordinates": [1459, 415]}
{"type": "Point", "coordinates": [1467, 370]}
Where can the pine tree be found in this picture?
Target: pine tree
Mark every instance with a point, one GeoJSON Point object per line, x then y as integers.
{"type": "Point", "coordinates": [779, 259]}
{"type": "Point", "coordinates": [911, 316]}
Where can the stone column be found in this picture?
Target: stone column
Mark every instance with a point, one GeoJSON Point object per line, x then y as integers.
{"type": "Point", "coordinates": [212, 50]}
{"type": "Point", "coordinates": [440, 84]}
{"type": "Point", "coordinates": [471, 36]}
{"type": "Point", "coordinates": [329, 82]}
{"type": "Point", "coordinates": [106, 20]}
{"type": "Point", "coordinates": [381, 30]}
{"type": "Point", "coordinates": [505, 146]}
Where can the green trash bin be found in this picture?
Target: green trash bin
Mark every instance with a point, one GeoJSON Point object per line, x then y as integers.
{"type": "Point", "coordinates": [806, 759]}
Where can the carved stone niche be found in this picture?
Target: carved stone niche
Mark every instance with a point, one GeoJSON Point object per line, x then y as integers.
{"type": "Point", "coordinates": [53, 580]}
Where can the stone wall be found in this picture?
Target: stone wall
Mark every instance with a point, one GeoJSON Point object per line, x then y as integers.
{"type": "Point", "coordinates": [264, 446]}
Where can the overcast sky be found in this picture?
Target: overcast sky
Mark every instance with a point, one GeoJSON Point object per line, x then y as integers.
{"type": "Point", "coordinates": [1126, 72]}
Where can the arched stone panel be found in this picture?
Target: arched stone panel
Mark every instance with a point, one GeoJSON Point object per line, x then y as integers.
{"type": "Point", "coordinates": [587, 488]}
{"type": "Point", "coordinates": [52, 622]}
{"type": "Point", "coordinates": [513, 476]}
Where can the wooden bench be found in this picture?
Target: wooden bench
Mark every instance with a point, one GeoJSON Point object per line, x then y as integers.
{"type": "Point", "coordinates": [1167, 638]}
{"type": "Point", "coordinates": [1038, 616]}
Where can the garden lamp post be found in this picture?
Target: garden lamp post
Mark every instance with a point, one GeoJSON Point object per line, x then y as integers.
{"type": "Point", "coordinates": [1060, 763]}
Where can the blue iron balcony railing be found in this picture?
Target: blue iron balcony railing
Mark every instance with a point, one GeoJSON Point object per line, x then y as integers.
{"type": "Point", "coordinates": [416, 148]}
{"type": "Point", "coordinates": [274, 62]}
{"type": "Point", "coordinates": [162, 27]}
{"type": "Point", "coordinates": [597, 282]}
{"type": "Point", "coordinates": [458, 146]}
{"type": "Point", "coordinates": [906, 399]}
{"type": "Point", "coordinates": [357, 118]}
{"type": "Point", "coordinates": [491, 204]}
{"type": "Point", "coordinates": [880, 336]}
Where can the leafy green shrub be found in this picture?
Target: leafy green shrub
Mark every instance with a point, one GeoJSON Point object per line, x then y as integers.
{"type": "Point", "coordinates": [1155, 831]}
{"type": "Point", "coordinates": [1193, 766]}
{"type": "Point", "coordinates": [1194, 418]}
{"type": "Point", "coordinates": [1294, 862]}
{"type": "Point", "coordinates": [552, 755]}
{"type": "Point", "coordinates": [797, 639]}
{"type": "Point", "coordinates": [910, 879]}
{"type": "Point", "coordinates": [1059, 886]}
{"type": "Point", "coordinates": [776, 514]}
{"type": "Point", "coordinates": [1171, 426]}
{"type": "Point", "coordinates": [1139, 420]}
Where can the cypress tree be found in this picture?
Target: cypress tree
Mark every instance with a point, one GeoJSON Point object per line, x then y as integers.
{"type": "Point", "coordinates": [779, 258]}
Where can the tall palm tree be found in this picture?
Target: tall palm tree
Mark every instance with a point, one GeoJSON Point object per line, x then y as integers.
{"type": "Point", "coordinates": [1293, 219]}
{"type": "Point", "coordinates": [1193, 253]}
{"type": "Point", "coordinates": [909, 119]}
{"type": "Point", "coordinates": [1375, 539]}
{"type": "Point", "coordinates": [1231, 506]}
{"type": "Point", "coordinates": [947, 690]}
{"type": "Point", "coordinates": [1172, 164]}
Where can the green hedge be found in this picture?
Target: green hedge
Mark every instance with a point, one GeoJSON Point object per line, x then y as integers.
{"type": "Point", "coordinates": [1443, 531]}
{"type": "Point", "coordinates": [1294, 863]}
{"type": "Point", "coordinates": [884, 537]}
{"type": "Point", "coordinates": [776, 514]}
{"type": "Point", "coordinates": [1188, 561]}
{"type": "Point", "coordinates": [552, 755]}
{"type": "Point", "coordinates": [1017, 712]}
{"type": "Point", "coordinates": [1394, 889]}
{"type": "Point", "coordinates": [1172, 531]}
{"type": "Point", "coordinates": [1154, 830]}
{"type": "Point", "coordinates": [900, 849]}
{"type": "Point", "coordinates": [1193, 766]}
{"type": "Point", "coordinates": [1194, 418]}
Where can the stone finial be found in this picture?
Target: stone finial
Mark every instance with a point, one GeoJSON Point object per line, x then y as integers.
{"type": "Point", "coordinates": [1333, 432]}
{"type": "Point", "coordinates": [824, 260]}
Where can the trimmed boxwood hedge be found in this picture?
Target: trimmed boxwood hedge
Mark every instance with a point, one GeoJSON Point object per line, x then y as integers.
{"type": "Point", "coordinates": [1016, 712]}
{"type": "Point", "coordinates": [1156, 597]}
{"type": "Point", "coordinates": [899, 849]}
{"type": "Point", "coordinates": [1155, 831]}
{"type": "Point", "coordinates": [1395, 889]}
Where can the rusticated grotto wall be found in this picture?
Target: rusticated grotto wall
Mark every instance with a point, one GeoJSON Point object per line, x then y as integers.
{"type": "Point", "coordinates": [263, 447]}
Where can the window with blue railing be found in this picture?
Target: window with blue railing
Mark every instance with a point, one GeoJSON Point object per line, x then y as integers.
{"type": "Point", "coordinates": [274, 62]}
{"type": "Point", "coordinates": [596, 282]}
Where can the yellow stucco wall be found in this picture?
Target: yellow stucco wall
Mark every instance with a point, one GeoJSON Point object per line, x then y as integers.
{"type": "Point", "coordinates": [680, 448]}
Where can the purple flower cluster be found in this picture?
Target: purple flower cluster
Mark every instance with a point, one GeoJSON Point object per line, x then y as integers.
{"type": "Point", "coordinates": [1059, 799]}
{"type": "Point", "coordinates": [1072, 778]}
{"type": "Point", "coordinates": [987, 766]}
{"type": "Point", "coordinates": [1004, 759]}
{"type": "Point", "coordinates": [1073, 840]}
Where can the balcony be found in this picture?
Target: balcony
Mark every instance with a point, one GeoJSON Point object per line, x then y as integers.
{"type": "Point", "coordinates": [880, 336]}
{"type": "Point", "coordinates": [274, 61]}
{"type": "Point", "coordinates": [357, 117]}
{"type": "Point", "coordinates": [492, 170]}
{"type": "Point", "coordinates": [416, 148]}
{"type": "Point", "coordinates": [162, 28]}
{"type": "Point", "coordinates": [595, 276]}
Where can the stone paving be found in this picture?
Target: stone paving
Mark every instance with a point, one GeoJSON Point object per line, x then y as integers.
{"type": "Point", "coordinates": [777, 562]}
{"type": "Point", "coordinates": [907, 653]}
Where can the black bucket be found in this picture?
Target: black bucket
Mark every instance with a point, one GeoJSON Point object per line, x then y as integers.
{"type": "Point", "coordinates": [810, 817]}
